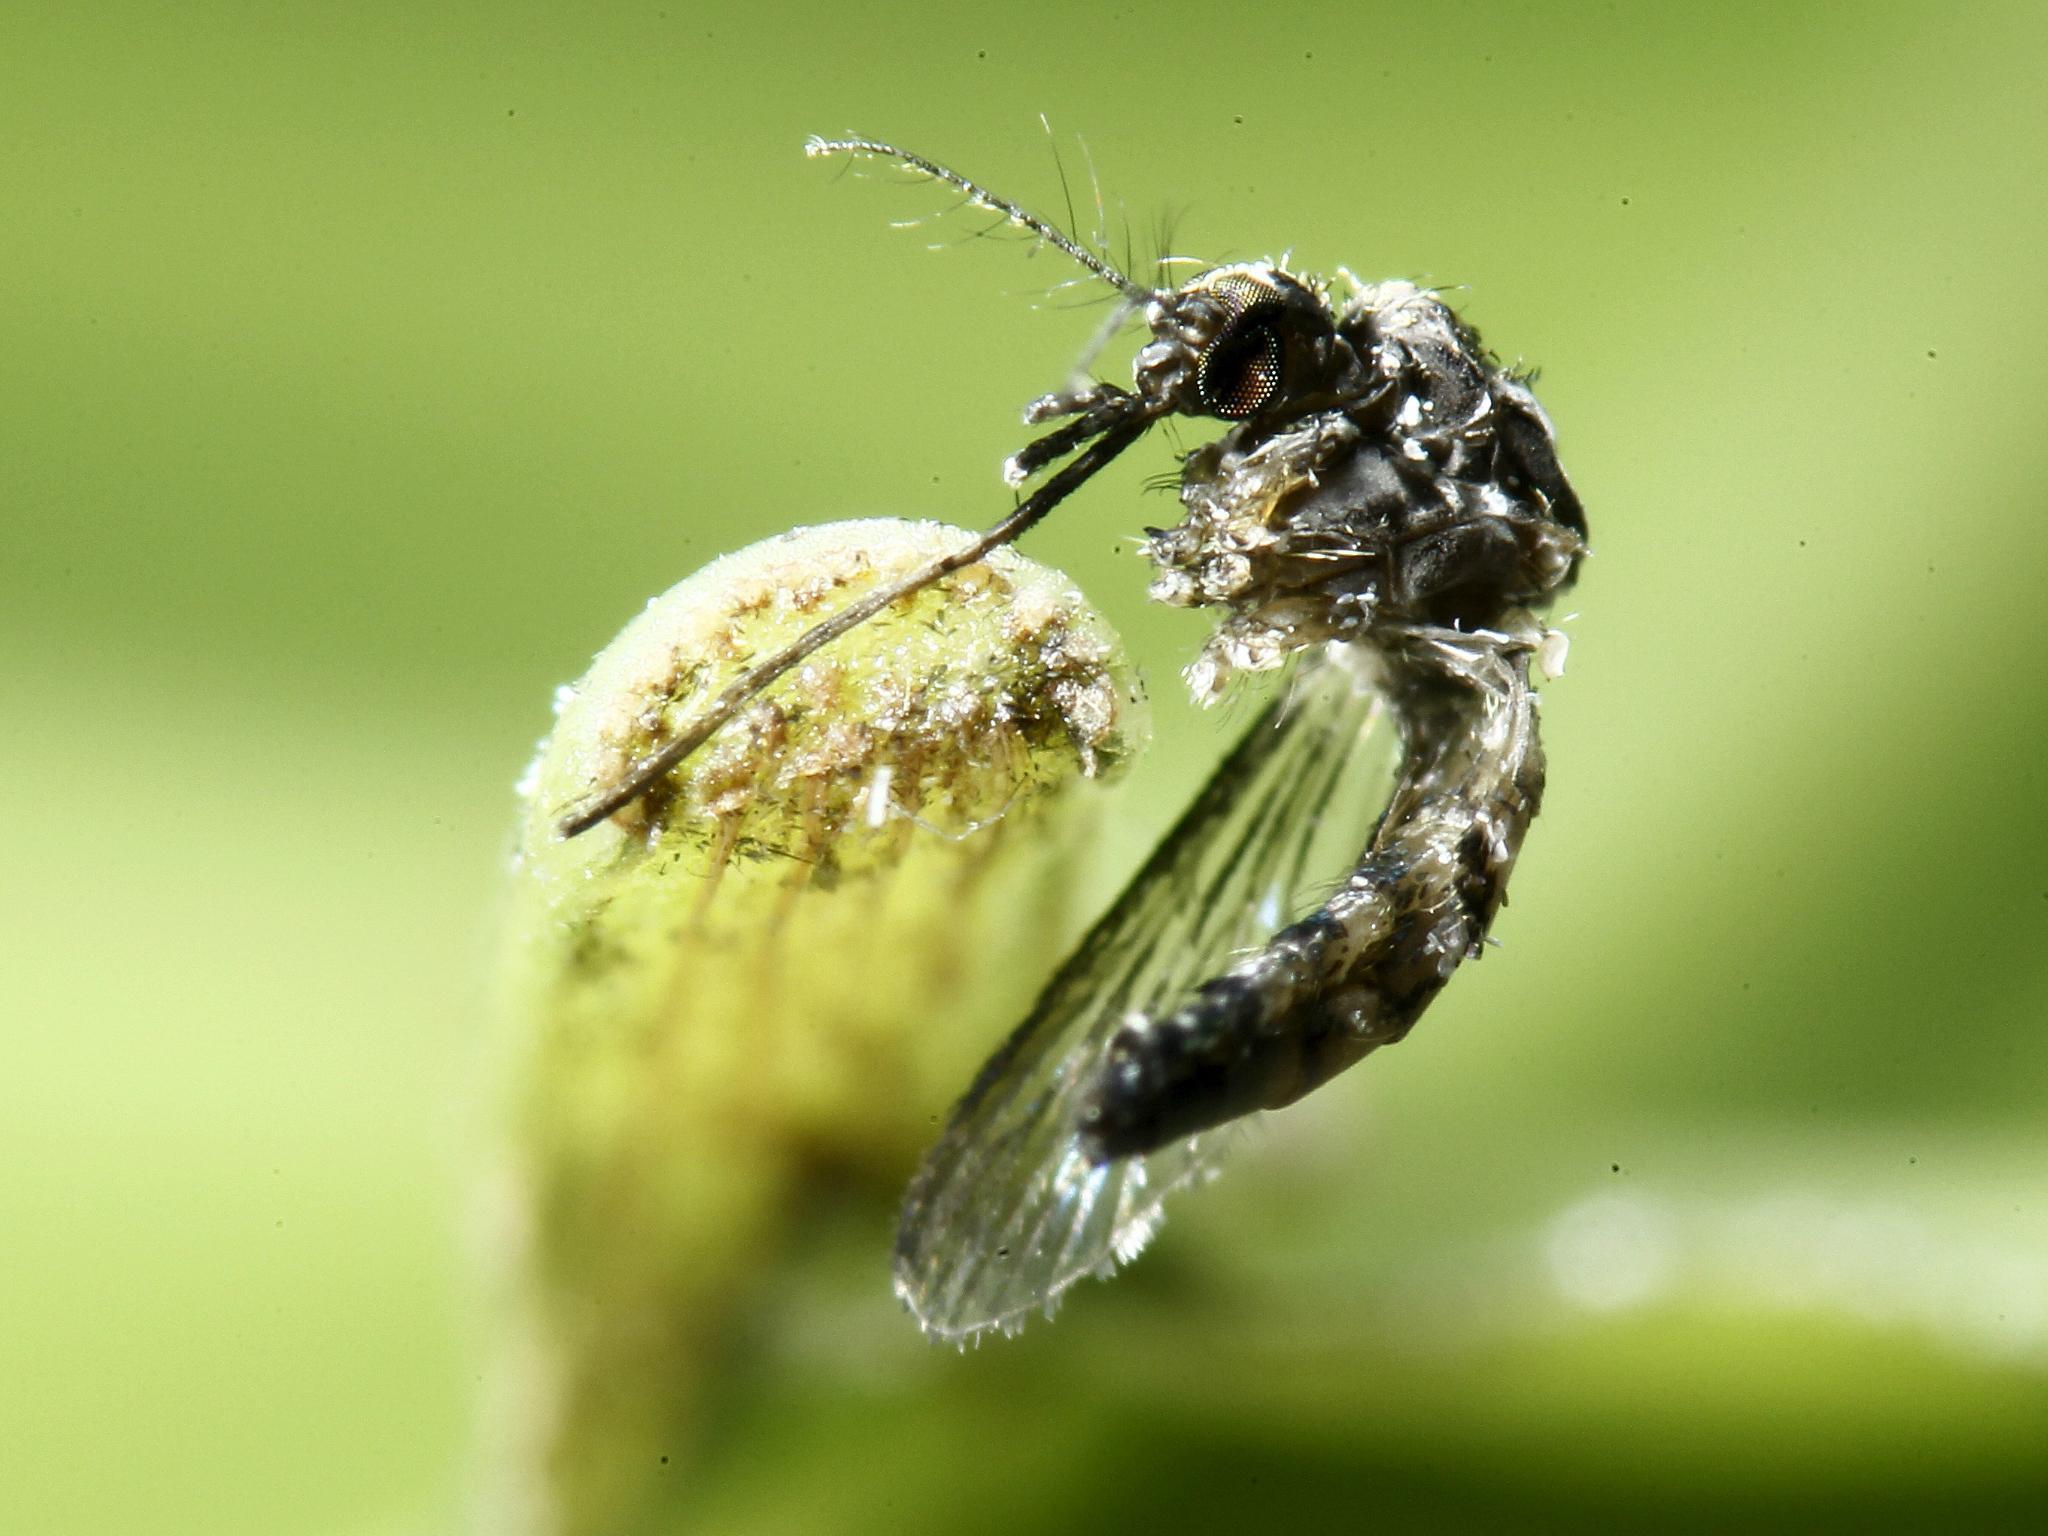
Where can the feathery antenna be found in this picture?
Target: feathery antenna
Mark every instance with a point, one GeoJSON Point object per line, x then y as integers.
{"type": "Point", "coordinates": [981, 197]}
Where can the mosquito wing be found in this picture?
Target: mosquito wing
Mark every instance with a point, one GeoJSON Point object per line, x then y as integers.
{"type": "Point", "coordinates": [1007, 1211]}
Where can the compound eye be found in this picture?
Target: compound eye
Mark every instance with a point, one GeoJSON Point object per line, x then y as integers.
{"type": "Point", "coordinates": [1241, 370]}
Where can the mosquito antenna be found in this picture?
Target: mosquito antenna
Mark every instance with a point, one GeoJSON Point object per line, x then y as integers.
{"type": "Point", "coordinates": [1130, 234]}
{"type": "Point", "coordinates": [1119, 429]}
{"type": "Point", "coordinates": [1095, 188]}
{"type": "Point", "coordinates": [1166, 234]}
{"type": "Point", "coordinates": [1059, 166]}
{"type": "Point", "coordinates": [981, 197]}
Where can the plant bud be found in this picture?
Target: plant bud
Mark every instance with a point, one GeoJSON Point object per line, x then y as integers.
{"type": "Point", "coordinates": [779, 964]}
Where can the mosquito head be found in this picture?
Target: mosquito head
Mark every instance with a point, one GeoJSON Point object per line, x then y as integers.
{"type": "Point", "coordinates": [1238, 343]}
{"type": "Point", "coordinates": [1241, 343]}
{"type": "Point", "coordinates": [1244, 343]}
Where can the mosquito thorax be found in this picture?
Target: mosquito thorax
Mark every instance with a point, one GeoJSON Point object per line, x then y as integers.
{"type": "Point", "coordinates": [1384, 472]}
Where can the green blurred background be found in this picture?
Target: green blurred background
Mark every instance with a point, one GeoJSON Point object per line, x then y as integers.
{"type": "Point", "coordinates": [362, 369]}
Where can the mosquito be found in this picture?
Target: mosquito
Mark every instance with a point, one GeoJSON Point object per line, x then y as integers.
{"type": "Point", "coordinates": [1384, 510]}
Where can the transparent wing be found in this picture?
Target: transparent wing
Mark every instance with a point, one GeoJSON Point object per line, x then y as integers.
{"type": "Point", "coordinates": [1007, 1211]}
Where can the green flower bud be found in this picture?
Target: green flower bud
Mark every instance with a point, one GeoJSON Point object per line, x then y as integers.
{"type": "Point", "coordinates": [776, 965]}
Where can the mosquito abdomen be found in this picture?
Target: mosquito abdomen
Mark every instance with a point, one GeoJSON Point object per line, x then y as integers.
{"type": "Point", "coordinates": [1356, 973]}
